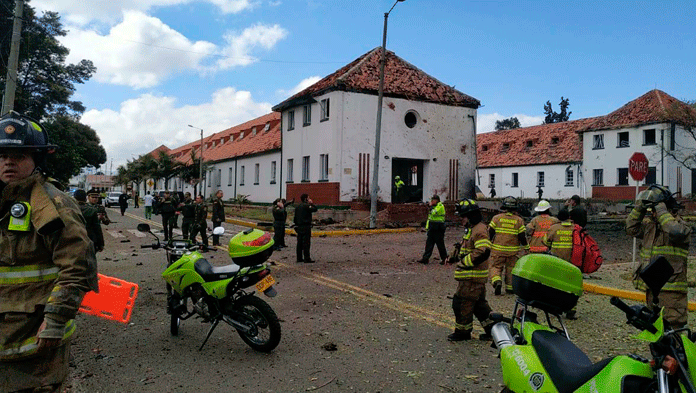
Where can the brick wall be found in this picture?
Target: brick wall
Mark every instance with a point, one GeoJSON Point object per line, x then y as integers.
{"type": "Point", "coordinates": [615, 193]}
{"type": "Point", "coordinates": [320, 193]}
{"type": "Point", "coordinates": [416, 212]}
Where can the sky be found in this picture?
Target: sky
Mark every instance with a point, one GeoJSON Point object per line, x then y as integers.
{"type": "Point", "coordinates": [163, 65]}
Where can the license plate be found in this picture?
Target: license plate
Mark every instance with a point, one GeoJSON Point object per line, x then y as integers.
{"type": "Point", "coordinates": [266, 283]}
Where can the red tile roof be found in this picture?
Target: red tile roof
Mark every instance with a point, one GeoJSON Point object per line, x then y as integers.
{"type": "Point", "coordinates": [510, 147]}
{"type": "Point", "coordinates": [155, 153]}
{"type": "Point", "coordinates": [401, 80]}
{"type": "Point", "coordinates": [655, 106]}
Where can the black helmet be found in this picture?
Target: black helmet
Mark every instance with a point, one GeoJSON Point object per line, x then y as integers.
{"type": "Point", "coordinates": [80, 195]}
{"type": "Point", "coordinates": [465, 207]}
{"type": "Point", "coordinates": [509, 203]}
{"type": "Point", "coordinates": [20, 132]}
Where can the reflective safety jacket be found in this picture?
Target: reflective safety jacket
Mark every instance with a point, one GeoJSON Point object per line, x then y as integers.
{"type": "Point", "coordinates": [560, 239]}
{"type": "Point", "coordinates": [507, 233]}
{"type": "Point", "coordinates": [398, 184]}
{"type": "Point", "coordinates": [437, 214]}
{"type": "Point", "coordinates": [473, 255]}
{"type": "Point", "coordinates": [536, 229]}
{"type": "Point", "coordinates": [47, 264]}
{"type": "Point", "coordinates": [664, 235]}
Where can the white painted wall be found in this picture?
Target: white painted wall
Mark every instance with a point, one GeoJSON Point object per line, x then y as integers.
{"type": "Point", "coordinates": [554, 181]}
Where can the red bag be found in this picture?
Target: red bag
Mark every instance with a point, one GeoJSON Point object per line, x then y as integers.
{"type": "Point", "coordinates": [586, 253]}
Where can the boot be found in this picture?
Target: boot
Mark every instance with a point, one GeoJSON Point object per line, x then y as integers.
{"type": "Point", "coordinates": [498, 285]}
{"type": "Point", "coordinates": [572, 315]}
{"type": "Point", "coordinates": [459, 336]}
{"type": "Point", "coordinates": [486, 335]}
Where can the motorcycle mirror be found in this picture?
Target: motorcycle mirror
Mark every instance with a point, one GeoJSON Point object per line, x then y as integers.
{"type": "Point", "coordinates": [656, 274]}
{"type": "Point", "coordinates": [143, 228]}
{"type": "Point", "coordinates": [218, 231]}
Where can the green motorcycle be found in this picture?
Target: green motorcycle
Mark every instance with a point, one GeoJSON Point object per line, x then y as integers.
{"type": "Point", "coordinates": [219, 293]}
{"type": "Point", "coordinates": [538, 357]}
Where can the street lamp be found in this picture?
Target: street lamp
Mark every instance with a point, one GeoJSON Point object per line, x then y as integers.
{"type": "Point", "coordinates": [378, 130]}
{"type": "Point", "coordinates": [200, 167]}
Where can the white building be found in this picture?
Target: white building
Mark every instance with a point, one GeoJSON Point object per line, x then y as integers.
{"type": "Point", "coordinates": [427, 135]}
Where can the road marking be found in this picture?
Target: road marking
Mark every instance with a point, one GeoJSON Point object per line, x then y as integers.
{"type": "Point", "coordinates": [137, 233]}
{"type": "Point", "coordinates": [114, 233]}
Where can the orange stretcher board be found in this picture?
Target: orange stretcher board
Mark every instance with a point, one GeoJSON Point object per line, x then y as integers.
{"type": "Point", "coordinates": [114, 301]}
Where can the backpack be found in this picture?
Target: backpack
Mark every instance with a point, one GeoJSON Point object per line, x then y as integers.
{"type": "Point", "coordinates": [586, 253]}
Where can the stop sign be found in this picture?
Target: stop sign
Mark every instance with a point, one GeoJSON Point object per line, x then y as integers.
{"type": "Point", "coordinates": [638, 166]}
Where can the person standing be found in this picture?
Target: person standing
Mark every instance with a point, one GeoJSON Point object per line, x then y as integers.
{"type": "Point", "coordinates": [539, 226]}
{"type": "Point", "coordinates": [93, 199]}
{"type": "Point", "coordinates": [147, 200]}
{"type": "Point", "coordinates": [123, 202]}
{"type": "Point", "coordinates": [91, 215]}
{"type": "Point", "coordinates": [280, 215]}
{"type": "Point", "coordinates": [188, 213]}
{"type": "Point", "coordinates": [167, 210]}
{"type": "Point", "coordinates": [435, 228]}
{"type": "Point", "coordinates": [663, 233]}
{"type": "Point", "coordinates": [507, 233]}
{"type": "Point", "coordinates": [471, 273]}
{"type": "Point", "coordinates": [577, 212]}
{"type": "Point", "coordinates": [218, 215]}
{"type": "Point", "coordinates": [559, 239]}
{"type": "Point", "coordinates": [398, 189]}
{"type": "Point", "coordinates": [540, 192]}
{"type": "Point", "coordinates": [199, 223]}
{"type": "Point", "coordinates": [136, 200]}
{"type": "Point", "coordinates": [303, 228]}
{"type": "Point", "coordinates": [47, 263]}
{"type": "Point", "coordinates": [493, 194]}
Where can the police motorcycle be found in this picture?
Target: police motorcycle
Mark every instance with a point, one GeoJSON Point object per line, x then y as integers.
{"type": "Point", "coordinates": [537, 357]}
{"type": "Point", "coordinates": [222, 293]}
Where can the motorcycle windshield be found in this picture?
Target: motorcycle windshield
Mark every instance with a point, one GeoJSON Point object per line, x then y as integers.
{"type": "Point", "coordinates": [653, 337]}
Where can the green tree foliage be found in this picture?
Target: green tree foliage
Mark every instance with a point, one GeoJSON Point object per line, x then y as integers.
{"type": "Point", "coordinates": [167, 168]}
{"type": "Point", "coordinates": [552, 116]}
{"type": "Point", "coordinates": [191, 171]}
{"type": "Point", "coordinates": [78, 147]}
{"type": "Point", "coordinates": [507, 124]}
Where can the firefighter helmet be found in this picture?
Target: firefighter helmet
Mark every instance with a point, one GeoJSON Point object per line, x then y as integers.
{"type": "Point", "coordinates": [20, 132]}
{"type": "Point", "coordinates": [509, 203]}
{"type": "Point", "coordinates": [466, 206]}
{"type": "Point", "coordinates": [543, 206]}
{"type": "Point", "coordinates": [657, 193]}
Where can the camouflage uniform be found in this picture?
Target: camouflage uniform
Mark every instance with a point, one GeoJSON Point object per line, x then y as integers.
{"type": "Point", "coordinates": [94, 231]}
{"type": "Point", "coordinates": [199, 223]}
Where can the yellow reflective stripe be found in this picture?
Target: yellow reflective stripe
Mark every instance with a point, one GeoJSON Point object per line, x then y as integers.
{"type": "Point", "coordinates": [483, 243]}
{"type": "Point", "coordinates": [499, 247]}
{"type": "Point", "coordinates": [562, 245]}
{"type": "Point", "coordinates": [507, 231]}
{"type": "Point", "coordinates": [467, 261]}
{"type": "Point", "coordinates": [522, 230]}
{"type": "Point", "coordinates": [634, 215]}
{"type": "Point", "coordinates": [463, 274]}
{"type": "Point", "coordinates": [664, 250]}
{"type": "Point", "coordinates": [679, 286]}
{"type": "Point", "coordinates": [492, 225]}
{"type": "Point", "coordinates": [494, 279]}
{"type": "Point", "coordinates": [30, 345]}
{"type": "Point", "coordinates": [468, 326]}
{"type": "Point", "coordinates": [665, 218]}
{"type": "Point", "coordinates": [29, 273]}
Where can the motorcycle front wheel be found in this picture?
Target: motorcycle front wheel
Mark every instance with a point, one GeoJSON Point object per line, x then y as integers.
{"type": "Point", "coordinates": [174, 320]}
{"type": "Point", "coordinates": [265, 334]}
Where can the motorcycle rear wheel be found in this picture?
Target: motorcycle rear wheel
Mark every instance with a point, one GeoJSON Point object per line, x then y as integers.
{"type": "Point", "coordinates": [266, 334]}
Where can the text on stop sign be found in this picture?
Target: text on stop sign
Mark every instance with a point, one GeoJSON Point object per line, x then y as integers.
{"type": "Point", "coordinates": [639, 166]}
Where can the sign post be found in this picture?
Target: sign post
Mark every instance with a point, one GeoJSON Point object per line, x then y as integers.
{"type": "Point", "coordinates": [638, 169]}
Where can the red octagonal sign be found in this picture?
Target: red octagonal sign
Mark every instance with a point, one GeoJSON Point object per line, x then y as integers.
{"type": "Point", "coordinates": [638, 166]}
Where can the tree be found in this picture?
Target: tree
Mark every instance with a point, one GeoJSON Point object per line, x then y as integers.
{"type": "Point", "coordinates": [79, 146]}
{"type": "Point", "coordinates": [191, 172]}
{"type": "Point", "coordinates": [167, 168]}
{"type": "Point", "coordinates": [552, 116]}
{"type": "Point", "coordinates": [685, 116]}
{"type": "Point", "coordinates": [507, 124]}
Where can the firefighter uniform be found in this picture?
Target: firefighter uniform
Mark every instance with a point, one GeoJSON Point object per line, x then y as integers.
{"type": "Point", "coordinates": [47, 264]}
{"type": "Point", "coordinates": [537, 229]}
{"type": "Point", "coordinates": [666, 235]}
{"type": "Point", "coordinates": [507, 232]}
{"type": "Point", "coordinates": [559, 239]}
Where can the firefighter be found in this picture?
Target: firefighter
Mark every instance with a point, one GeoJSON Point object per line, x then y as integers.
{"type": "Point", "coordinates": [47, 263]}
{"type": "Point", "coordinates": [435, 228]}
{"type": "Point", "coordinates": [471, 272]}
{"type": "Point", "coordinates": [507, 233]}
{"type": "Point", "coordinates": [539, 226]}
{"type": "Point", "coordinates": [663, 233]}
{"type": "Point", "coordinates": [559, 240]}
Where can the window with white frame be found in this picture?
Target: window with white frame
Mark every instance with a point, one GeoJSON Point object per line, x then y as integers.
{"type": "Point", "coordinates": [540, 179]}
{"type": "Point", "coordinates": [291, 120]}
{"type": "Point", "coordinates": [307, 115]}
{"type": "Point", "coordinates": [267, 127]}
{"type": "Point", "coordinates": [241, 175]}
{"type": "Point", "coordinates": [598, 177]}
{"type": "Point", "coordinates": [257, 170]}
{"type": "Point", "coordinates": [569, 177]}
{"type": "Point", "coordinates": [598, 141]}
{"type": "Point", "coordinates": [649, 137]}
{"type": "Point", "coordinates": [273, 172]}
{"type": "Point", "coordinates": [305, 168]}
{"type": "Point", "coordinates": [491, 180]}
{"type": "Point", "coordinates": [622, 140]}
{"type": "Point", "coordinates": [290, 170]}
{"type": "Point", "coordinates": [219, 177]}
{"type": "Point", "coordinates": [324, 110]}
{"type": "Point", "coordinates": [323, 167]}
{"type": "Point", "coordinates": [253, 131]}
{"type": "Point", "coordinates": [230, 176]}
{"type": "Point", "coordinates": [622, 176]}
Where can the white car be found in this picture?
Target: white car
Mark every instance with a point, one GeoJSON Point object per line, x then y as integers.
{"type": "Point", "coordinates": [111, 199]}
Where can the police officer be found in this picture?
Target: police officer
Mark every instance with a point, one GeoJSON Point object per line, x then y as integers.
{"type": "Point", "coordinates": [91, 215]}
{"type": "Point", "coordinates": [199, 224]}
{"type": "Point", "coordinates": [663, 233]}
{"type": "Point", "coordinates": [507, 233]}
{"type": "Point", "coordinates": [303, 228]}
{"type": "Point", "coordinates": [398, 189]}
{"type": "Point", "coordinates": [577, 213]}
{"type": "Point", "coordinates": [435, 228]}
{"type": "Point", "coordinates": [47, 263]}
{"type": "Point", "coordinates": [218, 215]}
{"type": "Point", "coordinates": [280, 215]}
{"type": "Point", "coordinates": [188, 212]}
{"type": "Point", "coordinates": [167, 210]}
{"type": "Point", "coordinates": [471, 272]}
{"type": "Point", "coordinates": [93, 198]}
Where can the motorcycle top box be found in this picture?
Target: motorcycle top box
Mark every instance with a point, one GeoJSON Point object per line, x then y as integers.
{"type": "Point", "coordinates": [251, 247]}
{"type": "Point", "coordinates": [547, 282]}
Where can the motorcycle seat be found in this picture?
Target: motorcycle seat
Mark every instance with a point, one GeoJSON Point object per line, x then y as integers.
{"type": "Point", "coordinates": [567, 366]}
{"type": "Point", "coordinates": [214, 273]}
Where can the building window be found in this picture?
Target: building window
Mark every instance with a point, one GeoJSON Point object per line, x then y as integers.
{"type": "Point", "coordinates": [649, 137]}
{"type": "Point", "coordinates": [569, 178]}
{"type": "Point", "coordinates": [323, 167]}
{"type": "Point", "coordinates": [257, 170]}
{"type": "Point", "coordinates": [267, 127]}
{"type": "Point", "coordinates": [305, 168]}
{"type": "Point", "coordinates": [515, 179]}
{"type": "Point", "coordinates": [506, 147]}
{"type": "Point", "coordinates": [253, 131]}
{"type": "Point", "coordinates": [540, 179]}
{"type": "Point", "coordinates": [210, 176]}
{"type": "Point", "coordinates": [672, 141]}
{"type": "Point", "coordinates": [554, 141]}
{"type": "Point", "coordinates": [598, 141]}
{"type": "Point", "coordinates": [307, 116]}
{"type": "Point", "coordinates": [651, 177]}
{"type": "Point", "coordinates": [241, 175]}
{"type": "Point", "coordinates": [491, 180]}
{"type": "Point", "coordinates": [598, 177]}
{"type": "Point", "coordinates": [529, 144]}
{"type": "Point", "coordinates": [623, 139]}
{"type": "Point", "coordinates": [219, 177]}
{"type": "Point", "coordinates": [290, 170]}
{"type": "Point", "coordinates": [291, 120]}
{"type": "Point", "coordinates": [484, 148]}
{"type": "Point", "coordinates": [623, 176]}
{"type": "Point", "coordinates": [324, 115]}
{"type": "Point", "coordinates": [273, 172]}
{"type": "Point", "coordinates": [411, 119]}
{"type": "Point", "coordinates": [230, 175]}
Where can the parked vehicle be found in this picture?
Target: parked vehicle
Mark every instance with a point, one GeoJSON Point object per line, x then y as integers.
{"type": "Point", "coordinates": [220, 293]}
{"type": "Point", "coordinates": [111, 199]}
{"type": "Point", "coordinates": [539, 357]}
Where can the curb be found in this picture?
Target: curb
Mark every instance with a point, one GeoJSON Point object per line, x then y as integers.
{"type": "Point", "coordinates": [622, 293]}
{"type": "Point", "coordinates": [327, 233]}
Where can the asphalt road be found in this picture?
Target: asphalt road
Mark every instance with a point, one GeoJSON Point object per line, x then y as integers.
{"type": "Point", "coordinates": [386, 316]}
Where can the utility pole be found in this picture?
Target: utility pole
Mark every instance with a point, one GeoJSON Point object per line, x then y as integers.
{"type": "Point", "coordinates": [11, 80]}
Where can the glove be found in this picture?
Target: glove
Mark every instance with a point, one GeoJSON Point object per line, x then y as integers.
{"type": "Point", "coordinates": [52, 328]}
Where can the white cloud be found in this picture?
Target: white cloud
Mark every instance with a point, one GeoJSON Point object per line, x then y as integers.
{"type": "Point", "coordinates": [305, 83]}
{"type": "Point", "coordinates": [108, 11]}
{"type": "Point", "coordinates": [485, 122]}
{"type": "Point", "coordinates": [144, 123]}
{"type": "Point", "coordinates": [239, 46]}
